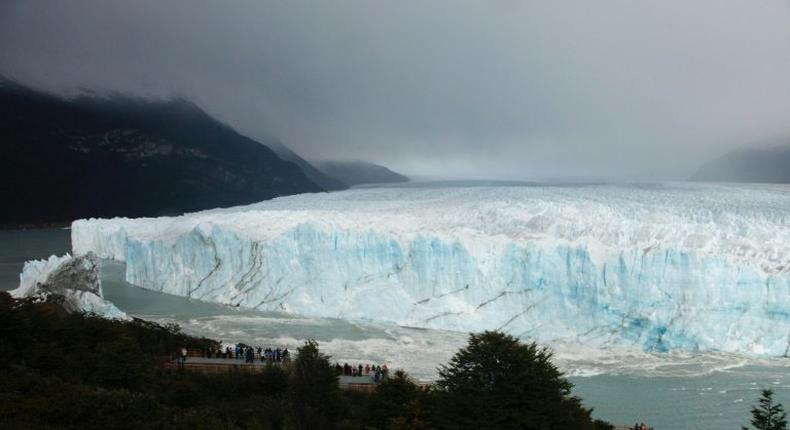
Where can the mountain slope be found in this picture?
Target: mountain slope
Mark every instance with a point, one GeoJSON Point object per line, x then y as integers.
{"type": "Point", "coordinates": [313, 174]}
{"type": "Point", "coordinates": [768, 165]}
{"type": "Point", "coordinates": [118, 156]}
{"type": "Point", "coordinates": [359, 172]}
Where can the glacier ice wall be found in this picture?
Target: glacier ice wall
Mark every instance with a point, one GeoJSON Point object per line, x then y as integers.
{"type": "Point", "coordinates": [73, 283]}
{"type": "Point", "coordinates": [657, 267]}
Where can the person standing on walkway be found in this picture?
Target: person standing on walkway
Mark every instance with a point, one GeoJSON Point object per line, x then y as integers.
{"type": "Point", "coordinates": [182, 357]}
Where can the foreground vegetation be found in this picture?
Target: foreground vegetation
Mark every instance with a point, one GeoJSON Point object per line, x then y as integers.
{"type": "Point", "coordinates": [768, 415]}
{"type": "Point", "coordinates": [66, 371]}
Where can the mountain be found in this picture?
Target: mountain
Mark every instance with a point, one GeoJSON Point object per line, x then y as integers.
{"type": "Point", "coordinates": [359, 172]}
{"type": "Point", "coordinates": [313, 174]}
{"type": "Point", "coordinates": [768, 165]}
{"type": "Point", "coordinates": [63, 159]}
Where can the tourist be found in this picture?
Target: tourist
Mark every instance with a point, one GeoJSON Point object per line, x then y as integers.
{"type": "Point", "coordinates": [359, 370]}
{"type": "Point", "coordinates": [183, 357]}
{"type": "Point", "coordinates": [367, 368]}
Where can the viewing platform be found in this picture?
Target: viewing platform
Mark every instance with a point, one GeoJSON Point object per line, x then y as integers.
{"type": "Point", "coordinates": [197, 364]}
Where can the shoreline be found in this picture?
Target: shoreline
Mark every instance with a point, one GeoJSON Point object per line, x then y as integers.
{"type": "Point", "coordinates": [37, 226]}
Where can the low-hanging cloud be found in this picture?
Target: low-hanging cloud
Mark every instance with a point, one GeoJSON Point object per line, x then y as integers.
{"type": "Point", "coordinates": [511, 89]}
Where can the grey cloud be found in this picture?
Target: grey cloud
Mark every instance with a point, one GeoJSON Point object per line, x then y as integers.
{"type": "Point", "coordinates": [512, 89]}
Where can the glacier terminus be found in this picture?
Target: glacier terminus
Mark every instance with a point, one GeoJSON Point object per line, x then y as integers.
{"type": "Point", "coordinates": [657, 267]}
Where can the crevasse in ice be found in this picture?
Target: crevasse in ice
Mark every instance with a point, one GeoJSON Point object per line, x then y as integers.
{"type": "Point", "coordinates": [659, 267]}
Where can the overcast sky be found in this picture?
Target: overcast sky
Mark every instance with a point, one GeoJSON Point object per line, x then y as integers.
{"type": "Point", "coordinates": [499, 89]}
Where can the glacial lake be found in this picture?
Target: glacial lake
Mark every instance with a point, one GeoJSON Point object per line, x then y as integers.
{"type": "Point", "coordinates": [667, 391]}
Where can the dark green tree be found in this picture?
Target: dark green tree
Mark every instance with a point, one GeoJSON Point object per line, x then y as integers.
{"type": "Point", "coordinates": [768, 415]}
{"type": "Point", "coordinates": [121, 363]}
{"type": "Point", "coordinates": [398, 404]}
{"type": "Point", "coordinates": [498, 382]}
{"type": "Point", "coordinates": [314, 390]}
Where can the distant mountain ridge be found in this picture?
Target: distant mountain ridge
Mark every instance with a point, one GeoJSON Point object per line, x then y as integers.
{"type": "Point", "coordinates": [326, 182]}
{"type": "Point", "coordinates": [766, 165]}
{"type": "Point", "coordinates": [121, 156]}
{"type": "Point", "coordinates": [359, 172]}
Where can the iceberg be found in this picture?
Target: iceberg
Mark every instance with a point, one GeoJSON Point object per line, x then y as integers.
{"type": "Point", "coordinates": [73, 283]}
{"type": "Point", "coordinates": [657, 267]}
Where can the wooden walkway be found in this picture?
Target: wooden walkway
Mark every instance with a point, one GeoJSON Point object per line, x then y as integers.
{"type": "Point", "coordinates": [215, 366]}
{"type": "Point", "coordinates": [232, 363]}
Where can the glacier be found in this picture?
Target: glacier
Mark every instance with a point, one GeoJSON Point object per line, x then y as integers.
{"type": "Point", "coordinates": [73, 283]}
{"type": "Point", "coordinates": [657, 267]}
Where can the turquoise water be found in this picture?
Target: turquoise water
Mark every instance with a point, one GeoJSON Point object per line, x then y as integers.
{"type": "Point", "coordinates": [703, 392]}
{"type": "Point", "coordinates": [718, 400]}
{"type": "Point", "coordinates": [18, 246]}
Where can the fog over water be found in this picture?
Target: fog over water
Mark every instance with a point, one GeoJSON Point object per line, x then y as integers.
{"type": "Point", "coordinates": [498, 89]}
